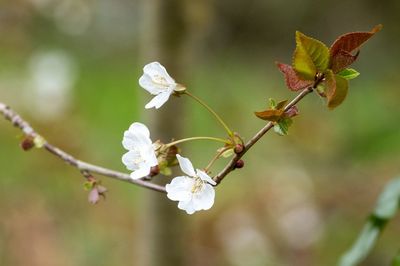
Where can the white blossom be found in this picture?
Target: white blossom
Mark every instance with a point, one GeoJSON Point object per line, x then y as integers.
{"type": "Point", "coordinates": [193, 191]}
{"type": "Point", "coordinates": [158, 82]}
{"type": "Point", "coordinates": [141, 155]}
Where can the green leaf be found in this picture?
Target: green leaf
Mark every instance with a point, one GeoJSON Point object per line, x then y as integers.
{"type": "Point", "coordinates": [310, 56]}
{"type": "Point", "coordinates": [336, 89]}
{"type": "Point", "coordinates": [272, 103]}
{"type": "Point", "coordinates": [388, 201]}
{"type": "Point", "coordinates": [282, 127]}
{"type": "Point", "coordinates": [88, 185]}
{"type": "Point", "coordinates": [348, 73]}
{"type": "Point", "coordinates": [281, 105]}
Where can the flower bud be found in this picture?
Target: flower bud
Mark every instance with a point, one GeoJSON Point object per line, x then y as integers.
{"type": "Point", "coordinates": [293, 111]}
{"type": "Point", "coordinates": [155, 170]}
{"type": "Point", "coordinates": [239, 164]}
{"type": "Point", "coordinates": [27, 143]}
{"type": "Point", "coordinates": [238, 148]}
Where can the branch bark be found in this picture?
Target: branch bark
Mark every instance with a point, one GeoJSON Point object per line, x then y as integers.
{"type": "Point", "coordinates": [82, 166]}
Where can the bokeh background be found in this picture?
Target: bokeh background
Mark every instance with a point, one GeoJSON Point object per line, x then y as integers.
{"type": "Point", "coordinates": [71, 68]}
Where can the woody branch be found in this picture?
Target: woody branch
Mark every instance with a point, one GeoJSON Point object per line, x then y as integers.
{"type": "Point", "coordinates": [82, 166]}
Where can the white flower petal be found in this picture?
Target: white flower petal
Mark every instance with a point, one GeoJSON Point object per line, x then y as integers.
{"type": "Point", "coordinates": [136, 136]}
{"type": "Point", "coordinates": [205, 177]}
{"type": "Point", "coordinates": [147, 83]}
{"type": "Point", "coordinates": [143, 171]}
{"type": "Point", "coordinates": [155, 69]}
{"type": "Point", "coordinates": [129, 159]}
{"type": "Point", "coordinates": [204, 199]}
{"type": "Point", "coordinates": [187, 206]}
{"type": "Point", "coordinates": [159, 99]}
{"type": "Point", "coordinates": [139, 128]}
{"type": "Point", "coordinates": [180, 188]}
{"type": "Point", "coordinates": [186, 165]}
{"type": "Point", "coordinates": [149, 155]}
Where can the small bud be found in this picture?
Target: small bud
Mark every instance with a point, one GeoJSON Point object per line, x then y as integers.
{"type": "Point", "coordinates": [27, 143]}
{"type": "Point", "coordinates": [238, 148]}
{"type": "Point", "coordinates": [155, 170]}
{"type": "Point", "coordinates": [293, 111]}
{"type": "Point", "coordinates": [239, 164]}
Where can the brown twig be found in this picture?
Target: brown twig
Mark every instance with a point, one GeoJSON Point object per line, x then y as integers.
{"type": "Point", "coordinates": [82, 166]}
{"type": "Point", "coordinates": [232, 163]}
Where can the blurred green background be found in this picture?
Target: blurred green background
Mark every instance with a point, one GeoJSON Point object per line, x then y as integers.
{"type": "Point", "coordinates": [71, 68]}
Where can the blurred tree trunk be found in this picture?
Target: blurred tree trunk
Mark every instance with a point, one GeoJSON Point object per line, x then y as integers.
{"type": "Point", "coordinates": [164, 38]}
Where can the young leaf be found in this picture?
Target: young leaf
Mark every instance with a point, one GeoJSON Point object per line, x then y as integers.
{"type": "Point", "coordinates": [272, 103]}
{"type": "Point", "coordinates": [293, 82]}
{"type": "Point", "coordinates": [275, 113]}
{"type": "Point", "coordinates": [352, 41]}
{"type": "Point", "coordinates": [281, 105]}
{"type": "Point", "coordinates": [336, 89]}
{"type": "Point", "coordinates": [270, 115]}
{"type": "Point", "coordinates": [282, 127]}
{"type": "Point", "coordinates": [348, 73]}
{"type": "Point", "coordinates": [309, 56]}
{"type": "Point", "coordinates": [342, 60]}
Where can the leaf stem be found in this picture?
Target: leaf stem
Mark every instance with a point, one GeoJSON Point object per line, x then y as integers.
{"type": "Point", "coordinates": [219, 119]}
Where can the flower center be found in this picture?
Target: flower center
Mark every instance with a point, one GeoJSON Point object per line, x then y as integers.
{"type": "Point", "coordinates": [138, 158]}
{"type": "Point", "coordinates": [198, 185]}
{"type": "Point", "coordinates": [161, 81]}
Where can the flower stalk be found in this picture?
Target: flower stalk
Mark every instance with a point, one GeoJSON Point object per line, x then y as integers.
{"type": "Point", "coordinates": [217, 117]}
{"type": "Point", "coordinates": [198, 138]}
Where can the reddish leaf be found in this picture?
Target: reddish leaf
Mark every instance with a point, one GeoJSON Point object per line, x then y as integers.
{"type": "Point", "coordinates": [336, 89]}
{"type": "Point", "coordinates": [342, 60]}
{"type": "Point", "coordinates": [293, 82]}
{"type": "Point", "coordinates": [277, 112]}
{"type": "Point", "coordinates": [270, 115]}
{"type": "Point", "coordinates": [352, 41]}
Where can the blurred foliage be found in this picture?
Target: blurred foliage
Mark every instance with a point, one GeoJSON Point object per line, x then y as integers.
{"type": "Point", "coordinates": [386, 208]}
